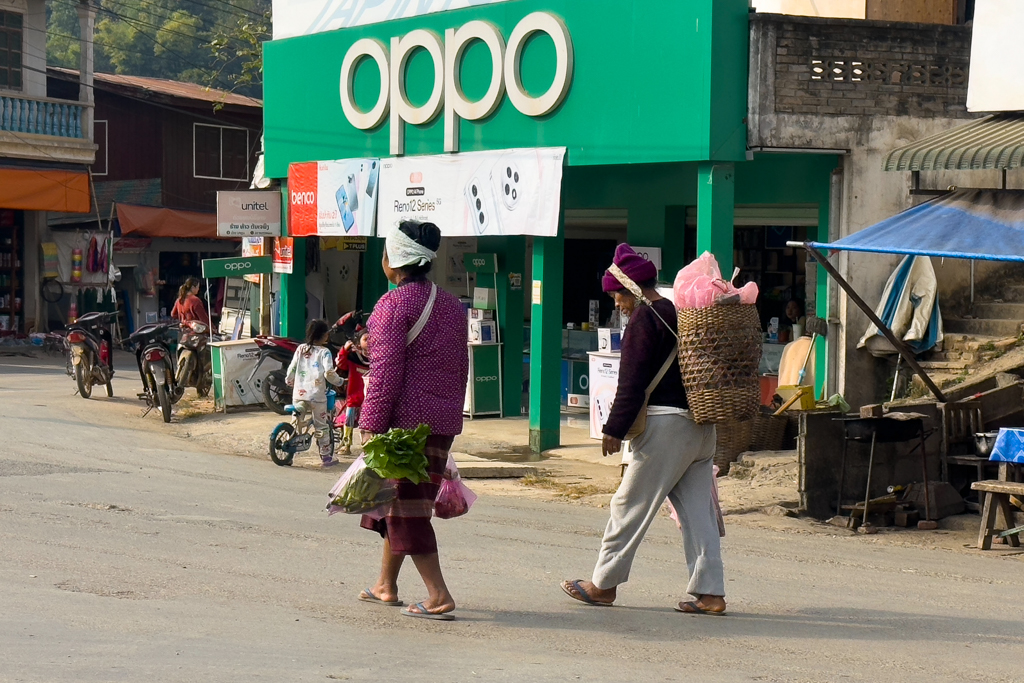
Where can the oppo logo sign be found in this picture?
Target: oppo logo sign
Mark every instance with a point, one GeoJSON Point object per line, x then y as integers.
{"type": "Point", "coordinates": [238, 265]}
{"type": "Point", "coordinates": [447, 91]}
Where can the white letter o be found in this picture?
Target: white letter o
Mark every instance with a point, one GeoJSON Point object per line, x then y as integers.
{"type": "Point", "coordinates": [375, 50]}
{"type": "Point", "coordinates": [554, 27]}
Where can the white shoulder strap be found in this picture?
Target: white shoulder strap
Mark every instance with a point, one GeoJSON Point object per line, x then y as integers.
{"type": "Point", "coordinates": [424, 317]}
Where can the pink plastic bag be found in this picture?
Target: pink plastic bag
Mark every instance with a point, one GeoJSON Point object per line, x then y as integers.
{"type": "Point", "coordinates": [453, 497]}
{"type": "Point", "coordinates": [700, 285]}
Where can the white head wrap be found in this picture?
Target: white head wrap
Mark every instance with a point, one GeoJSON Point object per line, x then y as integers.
{"type": "Point", "coordinates": [405, 251]}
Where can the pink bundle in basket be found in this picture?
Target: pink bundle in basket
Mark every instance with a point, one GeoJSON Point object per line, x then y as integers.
{"type": "Point", "coordinates": [700, 285]}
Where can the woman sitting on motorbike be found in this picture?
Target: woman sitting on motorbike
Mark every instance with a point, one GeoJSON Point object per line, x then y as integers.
{"type": "Point", "coordinates": [189, 306]}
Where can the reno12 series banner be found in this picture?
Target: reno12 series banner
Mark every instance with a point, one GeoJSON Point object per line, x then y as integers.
{"type": "Point", "coordinates": [501, 192]}
{"type": "Point", "coordinates": [333, 198]}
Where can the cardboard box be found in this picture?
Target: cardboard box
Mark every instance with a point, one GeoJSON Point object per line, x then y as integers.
{"type": "Point", "coordinates": [482, 332]}
{"type": "Point", "coordinates": [480, 314]}
{"type": "Point", "coordinates": [609, 339]}
{"type": "Point", "coordinates": [485, 298]}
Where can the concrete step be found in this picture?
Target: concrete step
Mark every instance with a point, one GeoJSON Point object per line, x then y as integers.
{"type": "Point", "coordinates": [944, 365]}
{"type": "Point", "coordinates": [1000, 309]}
{"type": "Point", "coordinates": [991, 327]}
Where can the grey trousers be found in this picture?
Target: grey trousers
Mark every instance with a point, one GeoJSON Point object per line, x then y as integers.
{"type": "Point", "coordinates": [671, 459]}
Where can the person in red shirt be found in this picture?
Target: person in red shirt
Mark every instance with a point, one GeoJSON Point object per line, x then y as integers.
{"type": "Point", "coordinates": [352, 359]}
{"type": "Point", "coordinates": [189, 306]}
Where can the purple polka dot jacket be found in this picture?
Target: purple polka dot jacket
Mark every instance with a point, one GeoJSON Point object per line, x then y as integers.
{"type": "Point", "coordinates": [424, 382]}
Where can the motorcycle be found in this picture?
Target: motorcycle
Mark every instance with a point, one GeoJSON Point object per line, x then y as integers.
{"type": "Point", "coordinates": [91, 353]}
{"type": "Point", "coordinates": [156, 367]}
{"type": "Point", "coordinates": [289, 438]}
{"type": "Point", "coordinates": [195, 364]}
{"type": "Point", "coordinates": [276, 392]}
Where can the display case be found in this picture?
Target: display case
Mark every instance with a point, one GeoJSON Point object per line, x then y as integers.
{"type": "Point", "coordinates": [12, 294]}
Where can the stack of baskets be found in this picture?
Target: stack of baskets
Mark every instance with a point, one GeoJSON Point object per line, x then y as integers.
{"type": "Point", "coordinates": [719, 356]}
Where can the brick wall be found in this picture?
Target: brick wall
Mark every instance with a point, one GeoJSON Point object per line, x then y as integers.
{"type": "Point", "coordinates": [866, 68]}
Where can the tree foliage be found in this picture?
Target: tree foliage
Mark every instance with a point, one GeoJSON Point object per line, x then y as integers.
{"type": "Point", "coordinates": [211, 42]}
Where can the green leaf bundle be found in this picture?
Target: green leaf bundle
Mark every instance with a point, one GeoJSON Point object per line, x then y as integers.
{"type": "Point", "coordinates": [399, 454]}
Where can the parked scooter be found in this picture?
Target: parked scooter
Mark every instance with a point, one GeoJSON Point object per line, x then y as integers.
{"type": "Point", "coordinates": [90, 344]}
{"type": "Point", "coordinates": [156, 367]}
{"type": "Point", "coordinates": [289, 438]}
{"type": "Point", "coordinates": [276, 392]}
{"type": "Point", "coordinates": [195, 363]}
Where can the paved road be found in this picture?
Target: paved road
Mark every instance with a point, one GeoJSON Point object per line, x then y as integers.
{"type": "Point", "coordinates": [129, 556]}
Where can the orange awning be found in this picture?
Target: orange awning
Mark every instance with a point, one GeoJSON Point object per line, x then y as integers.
{"type": "Point", "coordinates": [44, 190]}
{"type": "Point", "coordinates": [151, 221]}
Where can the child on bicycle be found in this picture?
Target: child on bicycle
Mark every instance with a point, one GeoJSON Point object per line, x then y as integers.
{"type": "Point", "coordinates": [354, 360]}
{"type": "Point", "coordinates": [312, 367]}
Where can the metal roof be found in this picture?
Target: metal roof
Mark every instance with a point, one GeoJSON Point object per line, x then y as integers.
{"type": "Point", "coordinates": [167, 88]}
{"type": "Point", "coordinates": [994, 142]}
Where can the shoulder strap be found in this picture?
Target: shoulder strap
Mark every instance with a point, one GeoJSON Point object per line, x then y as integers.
{"type": "Point", "coordinates": [424, 316]}
{"type": "Point", "coordinates": [661, 373]}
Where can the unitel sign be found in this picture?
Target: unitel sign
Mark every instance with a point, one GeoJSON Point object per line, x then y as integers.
{"type": "Point", "coordinates": [447, 91]}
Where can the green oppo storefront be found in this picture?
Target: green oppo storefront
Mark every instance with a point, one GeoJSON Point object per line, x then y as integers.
{"type": "Point", "coordinates": [648, 98]}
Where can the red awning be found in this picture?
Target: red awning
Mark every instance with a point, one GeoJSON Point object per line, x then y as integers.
{"type": "Point", "coordinates": [44, 190]}
{"type": "Point", "coordinates": [151, 221]}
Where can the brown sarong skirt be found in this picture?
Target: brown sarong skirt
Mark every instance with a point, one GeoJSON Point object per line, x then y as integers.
{"type": "Point", "coordinates": [407, 523]}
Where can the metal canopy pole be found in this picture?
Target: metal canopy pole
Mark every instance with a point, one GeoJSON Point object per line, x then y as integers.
{"type": "Point", "coordinates": [900, 347]}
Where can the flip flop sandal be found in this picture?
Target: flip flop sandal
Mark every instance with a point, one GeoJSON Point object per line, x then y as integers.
{"type": "Point", "coordinates": [422, 613]}
{"type": "Point", "coordinates": [368, 596]}
{"type": "Point", "coordinates": [694, 608]}
{"type": "Point", "coordinates": [582, 597]}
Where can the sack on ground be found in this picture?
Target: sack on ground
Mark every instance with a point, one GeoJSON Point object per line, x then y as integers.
{"type": "Point", "coordinates": [453, 496]}
{"type": "Point", "coordinates": [361, 490]}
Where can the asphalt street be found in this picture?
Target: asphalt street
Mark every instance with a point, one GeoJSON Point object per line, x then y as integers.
{"type": "Point", "coordinates": [130, 555]}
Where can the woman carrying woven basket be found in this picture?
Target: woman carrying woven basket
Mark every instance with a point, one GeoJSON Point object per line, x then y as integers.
{"type": "Point", "coordinates": [672, 456]}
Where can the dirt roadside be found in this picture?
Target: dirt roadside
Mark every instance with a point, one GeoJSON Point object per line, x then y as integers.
{"type": "Point", "coordinates": [761, 491]}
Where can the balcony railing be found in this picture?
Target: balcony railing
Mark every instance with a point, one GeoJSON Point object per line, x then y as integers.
{"type": "Point", "coordinates": [41, 116]}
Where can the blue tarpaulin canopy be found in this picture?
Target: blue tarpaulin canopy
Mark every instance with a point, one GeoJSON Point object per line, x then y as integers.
{"type": "Point", "coordinates": [971, 224]}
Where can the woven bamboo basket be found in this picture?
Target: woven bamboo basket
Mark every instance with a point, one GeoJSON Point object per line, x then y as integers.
{"type": "Point", "coordinates": [719, 355]}
{"type": "Point", "coordinates": [769, 431]}
{"type": "Point", "coordinates": [733, 439]}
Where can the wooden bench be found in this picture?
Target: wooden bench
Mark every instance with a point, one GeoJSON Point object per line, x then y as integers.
{"type": "Point", "coordinates": [997, 500]}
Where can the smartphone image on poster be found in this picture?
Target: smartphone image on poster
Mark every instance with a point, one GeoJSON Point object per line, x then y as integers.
{"type": "Point", "coordinates": [371, 181]}
{"type": "Point", "coordinates": [347, 219]}
{"type": "Point", "coordinates": [481, 206]}
{"type": "Point", "coordinates": [352, 189]}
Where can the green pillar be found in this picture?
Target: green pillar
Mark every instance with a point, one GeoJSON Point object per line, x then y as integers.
{"type": "Point", "coordinates": [375, 285]}
{"type": "Point", "coordinates": [715, 195]}
{"type": "Point", "coordinates": [511, 253]}
{"type": "Point", "coordinates": [546, 341]}
{"type": "Point", "coordinates": [293, 293]}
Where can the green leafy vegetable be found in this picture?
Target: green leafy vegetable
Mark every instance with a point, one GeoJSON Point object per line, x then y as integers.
{"type": "Point", "coordinates": [399, 454]}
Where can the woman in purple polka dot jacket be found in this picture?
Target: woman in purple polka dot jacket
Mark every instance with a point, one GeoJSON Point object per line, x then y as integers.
{"type": "Point", "coordinates": [419, 364]}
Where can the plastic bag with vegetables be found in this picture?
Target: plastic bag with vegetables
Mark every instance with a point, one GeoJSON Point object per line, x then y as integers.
{"type": "Point", "coordinates": [399, 454]}
{"type": "Point", "coordinates": [361, 490]}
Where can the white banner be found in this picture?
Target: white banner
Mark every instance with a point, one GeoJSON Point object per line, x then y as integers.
{"type": "Point", "coordinates": [501, 192]}
{"type": "Point", "coordinates": [305, 17]}
{"type": "Point", "coordinates": [994, 83]}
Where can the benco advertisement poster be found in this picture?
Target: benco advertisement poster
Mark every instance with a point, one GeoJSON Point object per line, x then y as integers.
{"type": "Point", "coordinates": [501, 192]}
{"type": "Point", "coordinates": [333, 198]}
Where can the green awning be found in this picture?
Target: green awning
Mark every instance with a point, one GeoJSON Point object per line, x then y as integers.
{"type": "Point", "coordinates": [994, 142]}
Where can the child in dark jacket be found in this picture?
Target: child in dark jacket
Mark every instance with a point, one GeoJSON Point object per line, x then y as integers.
{"type": "Point", "coordinates": [353, 359]}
